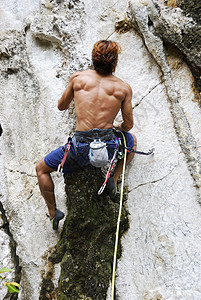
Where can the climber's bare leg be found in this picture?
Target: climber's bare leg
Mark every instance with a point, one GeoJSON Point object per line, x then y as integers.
{"type": "Point", "coordinates": [119, 167]}
{"type": "Point", "coordinates": [46, 186]}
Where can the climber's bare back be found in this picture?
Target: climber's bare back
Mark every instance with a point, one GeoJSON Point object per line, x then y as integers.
{"type": "Point", "coordinates": [97, 100]}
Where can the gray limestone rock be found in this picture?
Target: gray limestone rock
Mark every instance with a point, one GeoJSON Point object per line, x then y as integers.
{"type": "Point", "coordinates": [42, 44]}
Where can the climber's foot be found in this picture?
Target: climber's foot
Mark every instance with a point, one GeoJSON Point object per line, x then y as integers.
{"type": "Point", "coordinates": [59, 215]}
{"type": "Point", "coordinates": [111, 188]}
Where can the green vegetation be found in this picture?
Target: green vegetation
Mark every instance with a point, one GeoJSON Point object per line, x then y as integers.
{"type": "Point", "coordinates": [12, 286]}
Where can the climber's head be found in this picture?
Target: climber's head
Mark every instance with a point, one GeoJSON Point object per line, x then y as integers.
{"type": "Point", "coordinates": [105, 56]}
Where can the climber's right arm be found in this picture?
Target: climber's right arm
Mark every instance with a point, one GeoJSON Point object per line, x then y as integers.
{"type": "Point", "coordinates": [68, 94]}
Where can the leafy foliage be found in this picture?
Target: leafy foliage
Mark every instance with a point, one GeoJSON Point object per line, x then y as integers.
{"type": "Point", "coordinates": [12, 286]}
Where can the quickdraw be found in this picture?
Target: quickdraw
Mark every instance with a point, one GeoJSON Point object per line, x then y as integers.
{"type": "Point", "coordinates": [61, 165]}
{"type": "Point", "coordinates": [111, 167]}
{"type": "Point", "coordinates": [140, 152]}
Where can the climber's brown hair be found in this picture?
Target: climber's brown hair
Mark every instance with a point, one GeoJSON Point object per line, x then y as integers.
{"type": "Point", "coordinates": [105, 56]}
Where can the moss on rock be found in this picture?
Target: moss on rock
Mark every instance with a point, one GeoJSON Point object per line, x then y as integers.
{"type": "Point", "coordinates": [86, 247]}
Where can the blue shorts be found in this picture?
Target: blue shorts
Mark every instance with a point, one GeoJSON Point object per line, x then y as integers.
{"type": "Point", "coordinates": [80, 158]}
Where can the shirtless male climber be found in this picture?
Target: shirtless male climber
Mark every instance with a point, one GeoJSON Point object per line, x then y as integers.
{"type": "Point", "coordinates": [98, 96]}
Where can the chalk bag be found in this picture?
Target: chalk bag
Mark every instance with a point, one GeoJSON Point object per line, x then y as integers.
{"type": "Point", "coordinates": [98, 154]}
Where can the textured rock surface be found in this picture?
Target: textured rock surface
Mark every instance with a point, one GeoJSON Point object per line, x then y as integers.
{"type": "Point", "coordinates": [178, 23]}
{"type": "Point", "coordinates": [42, 43]}
{"type": "Point", "coordinates": [85, 250]}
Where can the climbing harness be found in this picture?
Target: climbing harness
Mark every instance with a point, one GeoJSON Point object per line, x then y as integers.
{"type": "Point", "coordinates": [95, 142]}
{"type": "Point", "coordinates": [96, 133]}
{"type": "Point", "coordinates": [118, 221]}
{"type": "Point", "coordinates": [61, 165]}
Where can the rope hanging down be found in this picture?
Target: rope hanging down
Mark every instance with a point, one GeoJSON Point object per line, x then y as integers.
{"type": "Point", "coordinates": [118, 221]}
{"type": "Point", "coordinates": [120, 208]}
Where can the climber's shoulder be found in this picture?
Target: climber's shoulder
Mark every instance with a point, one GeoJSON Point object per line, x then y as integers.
{"type": "Point", "coordinates": [75, 75]}
{"type": "Point", "coordinates": [81, 73]}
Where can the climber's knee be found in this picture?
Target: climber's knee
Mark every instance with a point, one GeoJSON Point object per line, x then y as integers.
{"type": "Point", "coordinates": [42, 168]}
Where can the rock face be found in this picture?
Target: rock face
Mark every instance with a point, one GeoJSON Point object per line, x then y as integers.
{"type": "Point", "coordinates": [42, 44]}
{"type": "Point", "coordinates": [85, 250]}
{"type": "Point", "coordinates": [184, 33]}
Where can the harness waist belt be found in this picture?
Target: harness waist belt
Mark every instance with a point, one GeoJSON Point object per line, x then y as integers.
{"type": "Point", "coordinates": [96, 133]}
